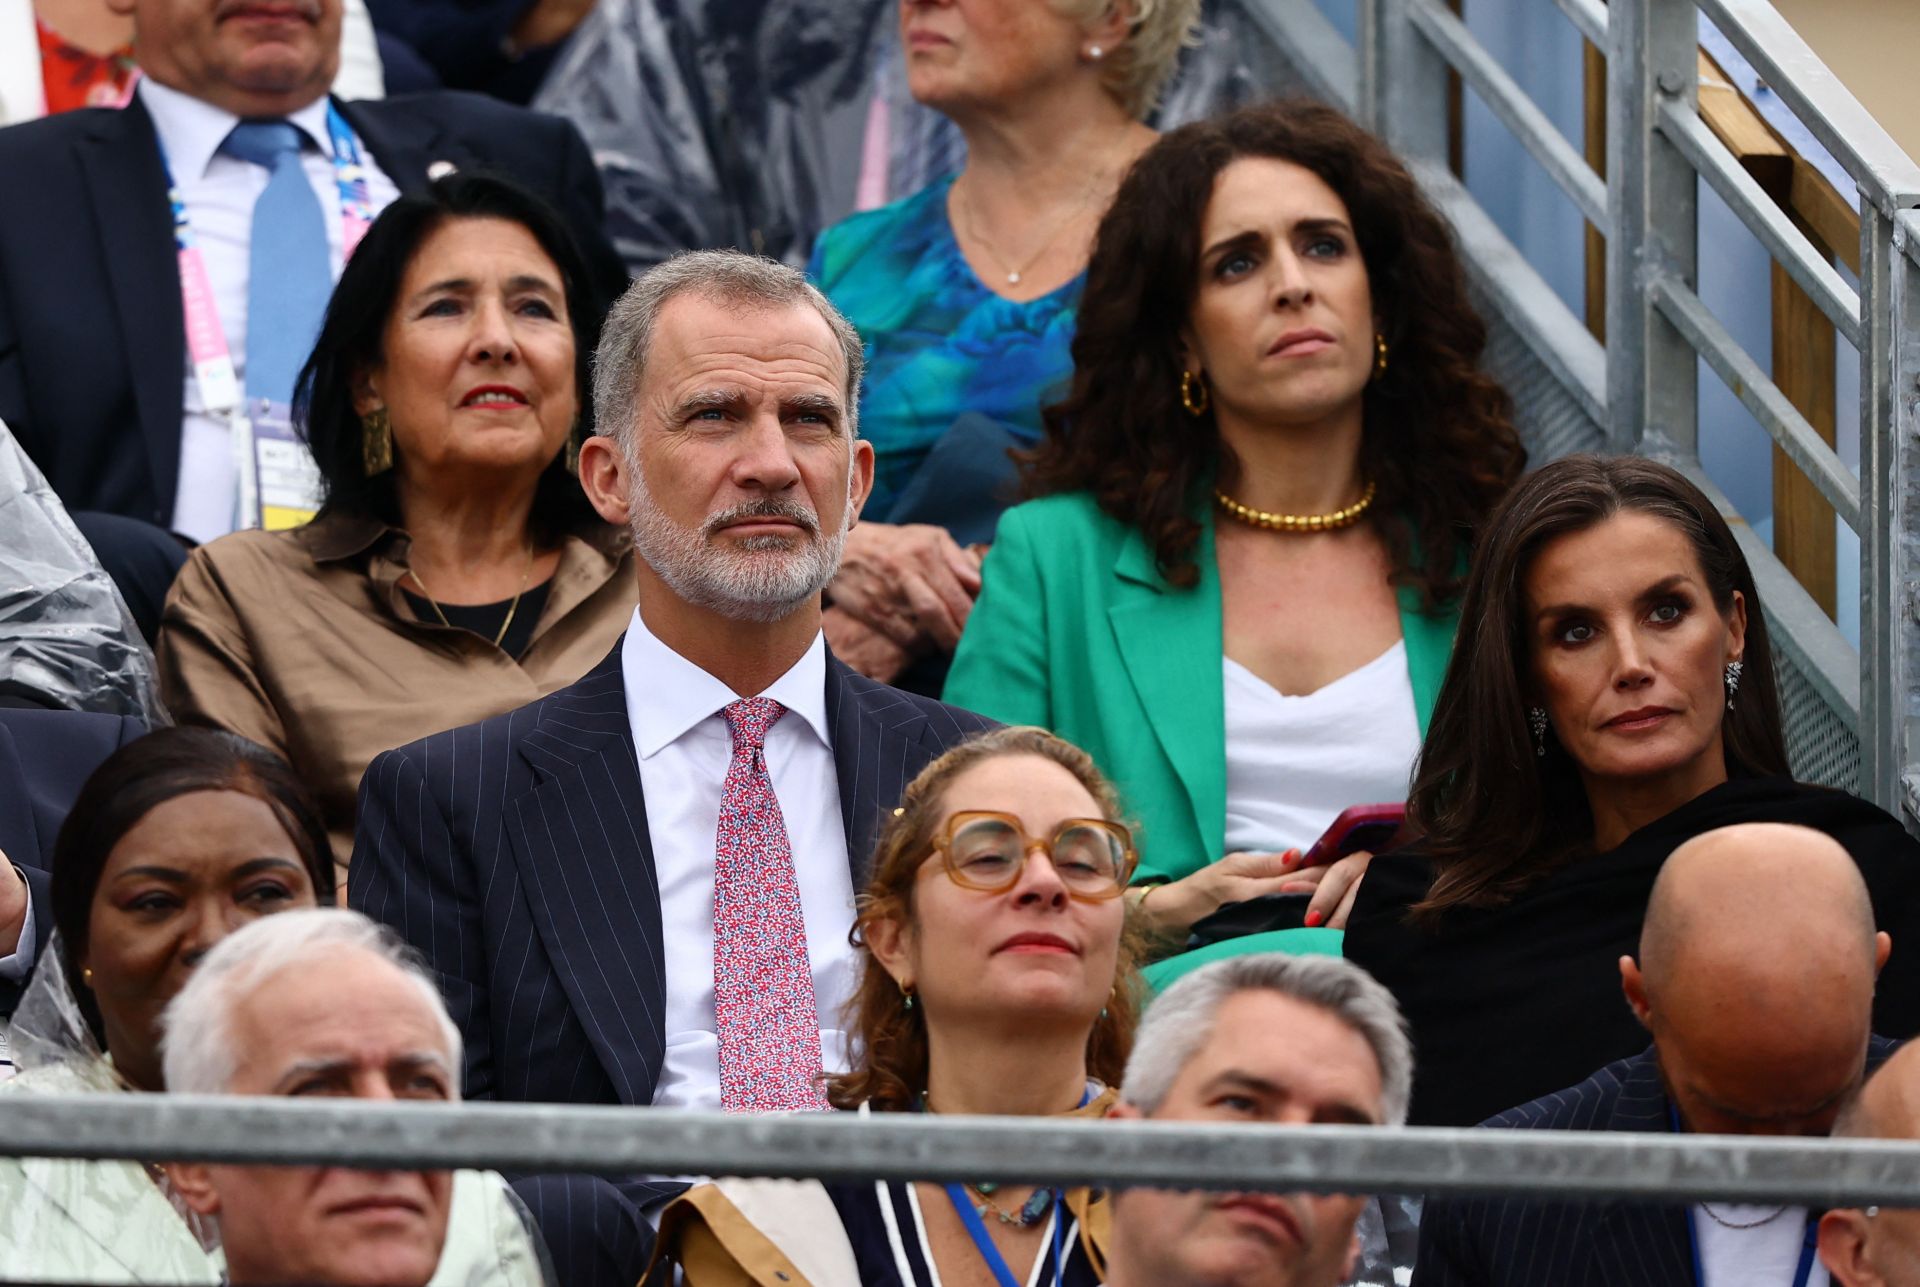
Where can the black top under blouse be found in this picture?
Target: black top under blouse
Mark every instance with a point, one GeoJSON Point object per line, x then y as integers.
{"type": "Point", "coordinates": [485, 619]}
{"type": "Point", "coordinates": [1511, 1003]}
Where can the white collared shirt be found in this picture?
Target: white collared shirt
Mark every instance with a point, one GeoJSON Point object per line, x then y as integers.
{"type": "Point", "coordinates": [219, 192]}
{"type": "Point", "coordinates": [684, 748]}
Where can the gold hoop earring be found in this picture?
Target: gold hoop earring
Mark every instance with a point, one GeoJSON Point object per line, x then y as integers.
{"type": "Point", "coordinates": [1379, 355]}
{"type": "Point", "coordinates": [376, 442]}
{"type": "Point", "coordinates": [1196, 406]}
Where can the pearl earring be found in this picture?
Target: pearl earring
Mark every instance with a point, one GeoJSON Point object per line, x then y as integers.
{"type": "Point", "coordinates": [1095, 53]}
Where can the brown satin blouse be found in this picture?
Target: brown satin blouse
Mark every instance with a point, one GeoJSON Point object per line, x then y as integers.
{"type": "Point", "coordinates": [303, 641]}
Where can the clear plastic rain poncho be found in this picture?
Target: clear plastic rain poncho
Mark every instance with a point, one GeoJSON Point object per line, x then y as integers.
{"type": "Point", "coordinates": [756, 123]}
{"type": "Point", "coordinates": [113, 1222]}
{"type": "Point", "coordinates": [66, 639]}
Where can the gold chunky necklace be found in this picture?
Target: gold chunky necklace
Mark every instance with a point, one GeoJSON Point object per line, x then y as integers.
{"type": "Point", "coordinates": [1333, 522]}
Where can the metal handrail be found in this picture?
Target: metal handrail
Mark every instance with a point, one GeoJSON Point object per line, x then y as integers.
{"type": "Point", "coordinates": [1741, 374]}
{"type": "Point", "coordinates": [1788, 245]}
{"type": "Point", "coordinates": [1887, 176]}
{"type": "Point", "coordinates": [1114, 1154]}
{"type": "Point", "coordinates": [1450, 37]}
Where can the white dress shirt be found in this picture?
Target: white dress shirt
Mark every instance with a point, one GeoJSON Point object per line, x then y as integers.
{"type": "Point", "coordinates": [1762, 1254]}
{"type": "Point", "coordinates": [219, 192]}
{"type": "Point", "coordinates": [685, 747]}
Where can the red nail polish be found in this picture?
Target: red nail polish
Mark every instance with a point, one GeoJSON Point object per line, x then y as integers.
{"type": "Point", "coordinates": [1314, 919]}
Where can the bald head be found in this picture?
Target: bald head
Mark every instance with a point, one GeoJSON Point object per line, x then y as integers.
{"type": "Point", "coordinates": [1755, 977]}
{"type": "Point", "coordinates": [1763, 901]}
{"type": "Point", "coordinates": [1888, 1106]}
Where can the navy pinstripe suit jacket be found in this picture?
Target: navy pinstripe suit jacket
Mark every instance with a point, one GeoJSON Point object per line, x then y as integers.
{"type": "Point", "coordinates": [514, 855]}
{"type": "Point", "coordinates": [1513, 1242]}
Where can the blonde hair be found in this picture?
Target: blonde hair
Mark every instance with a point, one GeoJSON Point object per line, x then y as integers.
{"type": "Point", "coordinates": [889, 1041]}
{"type": "Point", "coordinates": [1140, 68]}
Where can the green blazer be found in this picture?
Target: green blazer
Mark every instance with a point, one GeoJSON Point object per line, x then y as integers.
{"type": "Point", "coordinates": [1076, 631]}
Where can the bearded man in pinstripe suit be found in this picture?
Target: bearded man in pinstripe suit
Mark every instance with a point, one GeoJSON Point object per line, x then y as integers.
{"type": "Point", "coordinates": [638, 890]}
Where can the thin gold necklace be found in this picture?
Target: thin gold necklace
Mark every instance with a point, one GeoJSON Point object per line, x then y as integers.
{"type": "Point", "coordinates": [1333, 522]}
{"type": "Point", "coordinates": [525, 576]}
{"type": "Point", "coordinates": [1015, 273]}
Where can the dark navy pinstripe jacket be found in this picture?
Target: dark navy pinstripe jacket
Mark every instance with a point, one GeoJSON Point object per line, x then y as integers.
{"type": "Point", "coordinates": [514, 855]}
{"type": "Point", "coordinates": [1512, 1242]}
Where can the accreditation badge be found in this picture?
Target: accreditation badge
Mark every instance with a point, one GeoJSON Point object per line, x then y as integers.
{"type": "Point", "coordinates": [287, 487]}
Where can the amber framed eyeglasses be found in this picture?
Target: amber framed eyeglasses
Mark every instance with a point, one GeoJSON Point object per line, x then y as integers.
{"type": "Point", "coordinates": [987, 850]}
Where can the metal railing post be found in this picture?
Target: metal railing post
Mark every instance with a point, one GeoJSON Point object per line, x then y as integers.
{"type": "Point", "coordinates": [1900, 623]}
{"type": "Point", "coordinates": [1883, 750]}
{"type": "Point", "coordinates": [1652, 382]}
{"type": "Point", "coordinates": [1403, 82]}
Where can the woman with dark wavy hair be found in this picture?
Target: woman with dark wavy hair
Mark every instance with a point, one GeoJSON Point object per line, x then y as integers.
{"type": "Point", "coordinates": [1612, 697]}
{"type": "Point", "coordinates": [1239, 589]}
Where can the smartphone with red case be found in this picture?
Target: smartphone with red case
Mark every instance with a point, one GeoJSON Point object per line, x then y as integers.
{"type": "Point", "coordinates": [1371, 827]}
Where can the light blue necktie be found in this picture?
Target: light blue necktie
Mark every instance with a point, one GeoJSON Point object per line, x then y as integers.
{"type": "Point", "coordinates": [288, 272]}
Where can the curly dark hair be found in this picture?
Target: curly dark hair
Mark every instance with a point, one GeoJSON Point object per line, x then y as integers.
{"type": "Point", "coordinates": [1439, 442]}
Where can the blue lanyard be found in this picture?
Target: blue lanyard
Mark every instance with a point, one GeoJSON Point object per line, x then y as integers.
{"type": "Point", "coordinates": [997, 1263]}
{"type": "Point", "coordinates": [983, 1242]}
{"type": "Point", "coordinates": [349, 176]}
{"type": "Point", "coordinates": [1808, 1244]}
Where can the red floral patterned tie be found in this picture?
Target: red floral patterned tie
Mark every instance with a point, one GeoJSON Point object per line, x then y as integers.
{"type": "Point", "coordinates": [763, 1005]}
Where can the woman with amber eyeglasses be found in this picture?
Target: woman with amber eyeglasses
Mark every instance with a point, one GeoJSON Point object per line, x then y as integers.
{"type": "Point", "coordinates": [999, 977]}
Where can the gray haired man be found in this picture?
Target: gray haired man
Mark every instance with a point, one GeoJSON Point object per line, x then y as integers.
{"type": "Point", "coordinates": [324, 1003]}
{"type": "Point", "coordinates": [1283, 1040]}
{"type": "Point", "coordinates": [638, 889]}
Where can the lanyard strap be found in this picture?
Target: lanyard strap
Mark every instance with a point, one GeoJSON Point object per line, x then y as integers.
{"type": "Point", "coordinates": [206, 338]}
{"type": "Point", "coordinates": [995, 1262]}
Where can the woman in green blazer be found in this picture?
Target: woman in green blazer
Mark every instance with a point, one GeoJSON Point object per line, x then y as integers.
{"type": "Point", "coordinates": [1238, 587]}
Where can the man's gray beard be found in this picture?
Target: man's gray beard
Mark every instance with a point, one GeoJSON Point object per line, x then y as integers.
{"type": "Point", "coordinates": [759, 579]}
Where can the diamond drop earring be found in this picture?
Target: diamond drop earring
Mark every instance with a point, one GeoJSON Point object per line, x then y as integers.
{"type": "Point", "coordinates": [1733, 681]}
{"type": "Point", "coordinates": [1537, 720]}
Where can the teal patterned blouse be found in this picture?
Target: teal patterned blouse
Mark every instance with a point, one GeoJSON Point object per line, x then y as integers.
{"type": "Point", "coordinates": [939, 343]}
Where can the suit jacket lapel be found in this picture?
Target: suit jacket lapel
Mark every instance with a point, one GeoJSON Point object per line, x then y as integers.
{"type": "Point", "coordinates": [127, 183]}
{"type": "Point", "coordinates": [580, 841]}
{"type": "Point", "coordinates": [1641, 1242]}
{"type": "Point", "coordinates": [874, 729]}
{"type": "Point", "coordinates": [404, 144]}
{"type": "Point", "coordinates": [1170, 642]}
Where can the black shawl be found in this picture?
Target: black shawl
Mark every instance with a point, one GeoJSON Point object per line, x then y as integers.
{"type": "Point", "coordinates": [1511, 1003]}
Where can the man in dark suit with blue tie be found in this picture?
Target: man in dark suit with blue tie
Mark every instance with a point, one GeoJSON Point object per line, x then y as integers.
{"type": "Point", "coordinates": [96, 380]}
{"type": "Point", "coordinates": [1755, 977]}
{"type": "Point", "coordinates": [638, 890]}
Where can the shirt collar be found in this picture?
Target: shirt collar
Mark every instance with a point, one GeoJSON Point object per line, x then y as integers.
{"type": "Point", "coordinates": [191, 130]}
{"type": "Point", "coordinates": [678, 694]}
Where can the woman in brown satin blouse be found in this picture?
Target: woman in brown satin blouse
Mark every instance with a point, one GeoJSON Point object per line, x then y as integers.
{"type": "Point", "coordinates": [455, 570]}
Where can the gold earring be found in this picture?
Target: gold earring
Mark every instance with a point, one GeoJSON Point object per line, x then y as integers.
{"type": "Point", "coordinates": [86, 975]}
{"type": "Point", "coordinates": [376, 442]}
{"type": "Point", "coordinates": [1379, 355]}
{"type": "Point", "coordinates": [1196, 406]}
